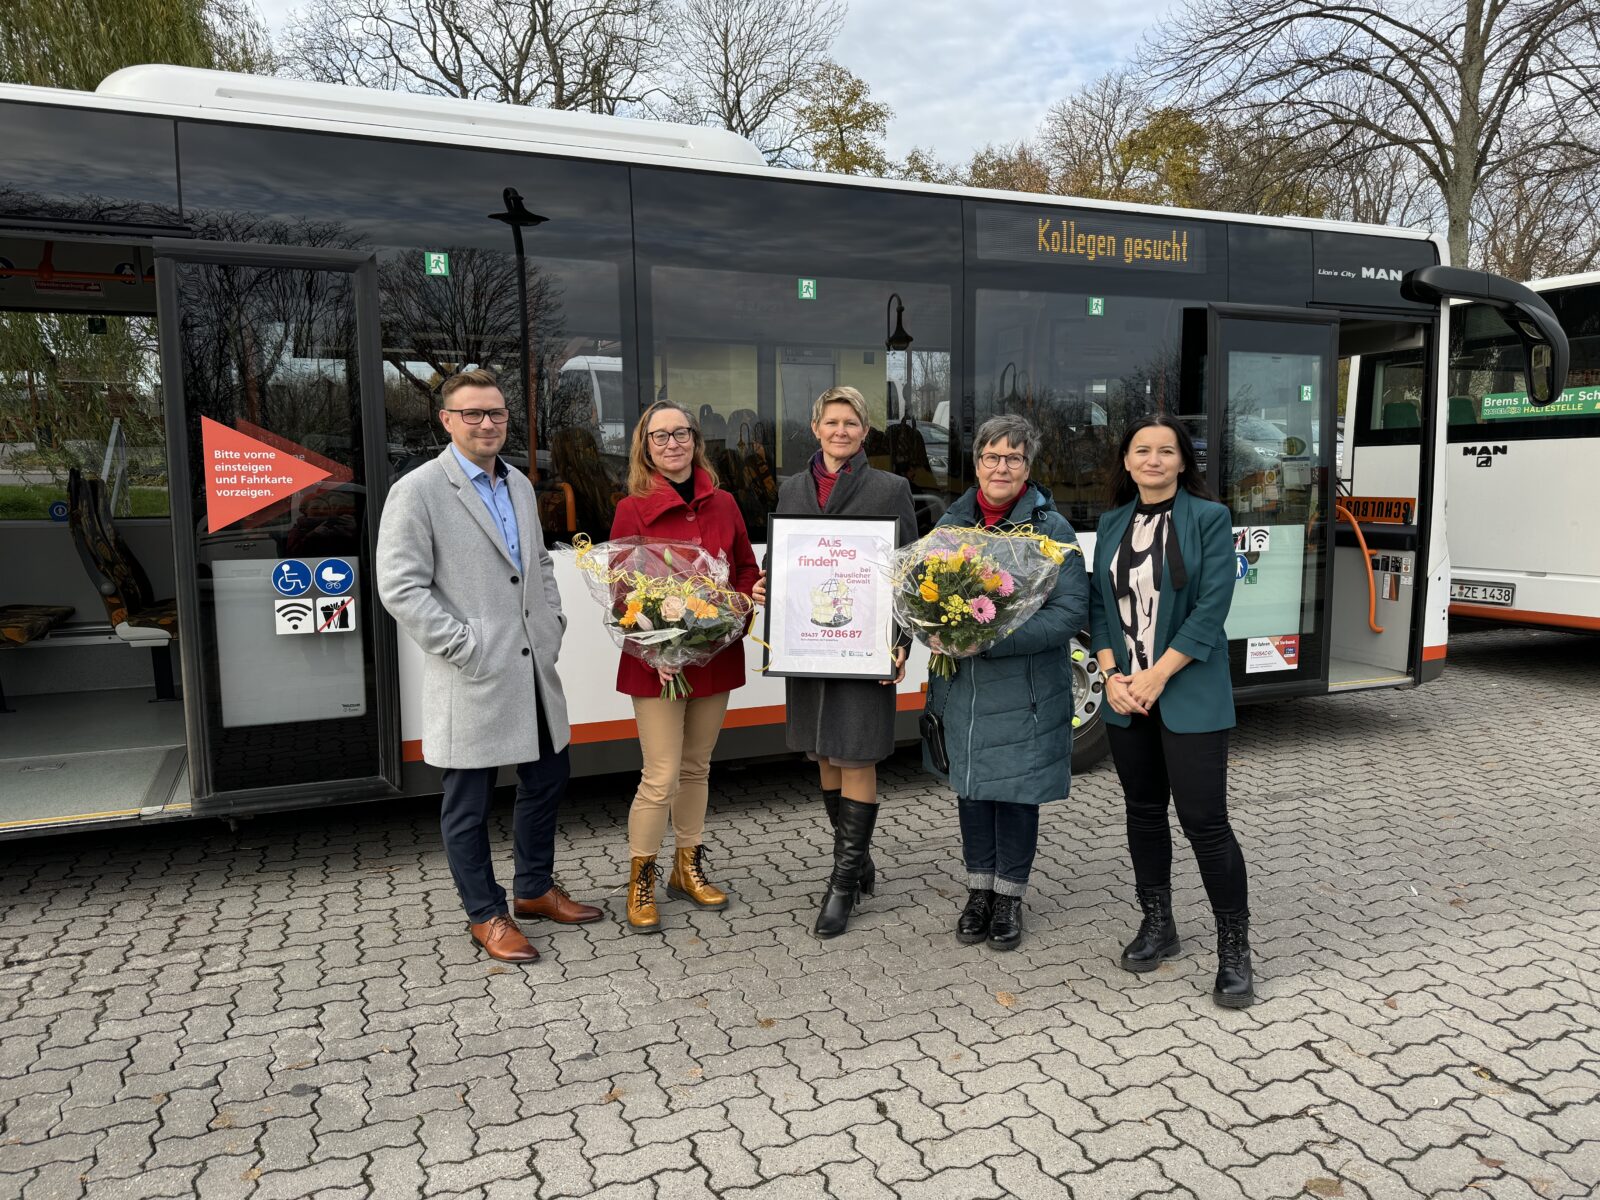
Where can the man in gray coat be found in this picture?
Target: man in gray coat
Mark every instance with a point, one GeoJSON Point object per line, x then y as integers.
{"type": "Point", "coordinates": [463, 570]}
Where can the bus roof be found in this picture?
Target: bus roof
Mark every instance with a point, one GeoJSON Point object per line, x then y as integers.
{"type": "Point", "coordinates": [408, 116]}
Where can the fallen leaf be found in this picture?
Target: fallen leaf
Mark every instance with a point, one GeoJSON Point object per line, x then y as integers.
{"type": "Point", "coordinates": [1391, 1002]}
{"type": "Point", "coordinates": [1324, 1187]}
{"type": "Point", "coordinates": [696, 1072]}
{"type": "Point", "coordinates": [613, 1094]}
{"type": "Point", "coordinates": [461, 1096]}
{"type": "Point", "coordinates": [1006, 999]}
{"type": "Point", "coordinates": [1483, 1073]}
{"type": "Point", "coordinates": [495, 971]}
{"type": "Point", "coordinates": [1458, 902]}
{"type": "Point", "coordinates": [251, 1175]}
{"type": "Point", "coordinates": [1493, 1164]}
{"type": "Point", "coordinates": [766, 1022]}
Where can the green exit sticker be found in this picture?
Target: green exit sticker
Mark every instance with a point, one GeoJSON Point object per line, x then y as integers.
{"type": "Point", "coordinates": [1097, 306]}
{"type": "Point", "coordinates": [1306, 396]}
{"type": "Point", "coordinates": [807, 289]}
{"type": "Point", "coordinates": [435, 262]}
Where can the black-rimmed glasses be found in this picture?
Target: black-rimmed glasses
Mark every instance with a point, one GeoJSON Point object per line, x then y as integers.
{"type": "Point", "coordinates": [682, 435]}
{"type": "Point", "coordinates": [991, 460]}
{"type": "Point", "coordinates": [475, 416]}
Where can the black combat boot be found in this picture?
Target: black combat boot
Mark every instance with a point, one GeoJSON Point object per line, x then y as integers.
{"type": "Point", "coordinates": [1235, 986]}
{"type": "Point", "coordinates": [1157, 939]}
{"type": "Point", "coordinates": [850, 844]}
{"type": "Point", "coordinates": [972, 926]}
{"type": "Point", "coordinates": [869, 873]}
{"type": "Point", "coordinates": [1005, 927]}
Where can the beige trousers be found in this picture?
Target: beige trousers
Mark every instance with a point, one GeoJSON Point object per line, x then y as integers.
{"type": "Point", "coordinates": [676, 738]}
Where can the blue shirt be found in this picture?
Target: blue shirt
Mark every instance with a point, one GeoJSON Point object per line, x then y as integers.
{"type": "Point", "coordinates": [497, 499]}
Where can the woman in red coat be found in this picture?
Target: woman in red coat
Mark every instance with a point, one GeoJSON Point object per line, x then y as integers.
{"type": "Point", "coordinates": [673, 495]}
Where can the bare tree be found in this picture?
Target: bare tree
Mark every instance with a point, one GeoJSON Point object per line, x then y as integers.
{"type": "Point", "coordinates": [1082, 139]}
{"type": "Point", "coordinates": [1541, 220]}
{"type": "Point", "coordinates": [746, 65]}
{"type": "Point", "coordinates": [588, 55]}
{"type": "Point", "coordinates": [1444, 81]}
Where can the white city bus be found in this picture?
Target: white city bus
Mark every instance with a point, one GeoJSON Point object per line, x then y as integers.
{"type": "Point", "coordinates": [226, 303]}
{"type": "Point", "coordinates": [1524, 544]}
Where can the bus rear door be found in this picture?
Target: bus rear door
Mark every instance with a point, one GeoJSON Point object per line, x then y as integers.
{"type": "Point", "coordinates": [275, 419]}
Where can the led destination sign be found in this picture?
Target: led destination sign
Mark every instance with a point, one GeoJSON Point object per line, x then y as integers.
{"type": "Point", "coordinates": [1091, 240]}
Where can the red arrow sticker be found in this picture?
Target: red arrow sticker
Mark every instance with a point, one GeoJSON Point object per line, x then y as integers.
{"type": "Point", "coordinates": [244, 475]}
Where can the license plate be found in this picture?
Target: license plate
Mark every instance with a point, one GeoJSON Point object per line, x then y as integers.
{"type": "Point", "coordinates": [1502, 594]}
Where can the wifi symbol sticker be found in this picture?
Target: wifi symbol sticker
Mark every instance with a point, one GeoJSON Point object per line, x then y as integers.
{"type": "Point", "coordinates": [294, 616]}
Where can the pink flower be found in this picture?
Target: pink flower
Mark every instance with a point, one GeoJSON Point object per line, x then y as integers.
{"type": "Point", "coordinates": [1007, 584]}
{"type": "Point", "coordinates": [982, 609]}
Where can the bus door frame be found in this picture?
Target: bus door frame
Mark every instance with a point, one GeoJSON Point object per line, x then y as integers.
{"type": "Point", "coordinates": [1216, 450]}
{"type": "Point", "coordinates": [363, 268]}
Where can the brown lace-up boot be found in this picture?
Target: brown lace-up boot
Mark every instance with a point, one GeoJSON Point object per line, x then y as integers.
{"type": "Point", "coordinates": [643, 916]}
{"type": "Point", "coordinates": [688, 880]}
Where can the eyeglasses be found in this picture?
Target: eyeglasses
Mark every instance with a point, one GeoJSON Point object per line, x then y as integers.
{"type": "Point", "coordinates": [475, 416]}
{"type": "Point", "coordinates": [993, 460]}
{"type": "Point", "coordinates": [682, 435]}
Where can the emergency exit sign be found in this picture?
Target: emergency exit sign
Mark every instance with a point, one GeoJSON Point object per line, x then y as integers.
{"type": "Point", "coordinates": [436, 262]}
{"type": "Point", "coordinates": [1097, 306]}
{"type": "Point", "coordinates": [806, 289]}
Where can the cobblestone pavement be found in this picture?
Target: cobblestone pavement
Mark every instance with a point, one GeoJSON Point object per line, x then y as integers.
{"type": "Point", "coordinates": [296, 1010]}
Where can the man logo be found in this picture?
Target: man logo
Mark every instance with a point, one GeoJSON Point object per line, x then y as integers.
{"type": "Point", "coordinates": [1381, 273]}
{"type": "Point", "coordinates": [1484, 455]}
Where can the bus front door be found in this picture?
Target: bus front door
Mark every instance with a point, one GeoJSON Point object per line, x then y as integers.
{"type": "Point", "coordinates": [1273, 373]}
{"type": "Point", "coordinates": [275, 424]}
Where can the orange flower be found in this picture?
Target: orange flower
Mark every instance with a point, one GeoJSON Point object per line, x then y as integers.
{"type": "Point", "coordinates": [929, 590]}
{"type": "Point", "coordinates": [701, 608]}
{"type": "Point", "coordinates": [629, 618]}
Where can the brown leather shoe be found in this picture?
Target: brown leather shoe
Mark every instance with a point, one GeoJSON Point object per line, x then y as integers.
{"type": "Point", "coordinates": [556, 905]}
{"type": "Point", "coordinates": [688, 880]}
{"type": "Point", "coordinates": [500, 938]}
{"type": "Point", "coordinates": [643, 916]}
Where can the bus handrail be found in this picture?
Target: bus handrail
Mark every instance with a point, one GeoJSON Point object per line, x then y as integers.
{"type": "Point", "coordinates": [1340, 510]}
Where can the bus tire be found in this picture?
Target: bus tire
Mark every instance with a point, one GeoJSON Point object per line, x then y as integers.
{"type": "Point", "coordinates": [1089, 742]}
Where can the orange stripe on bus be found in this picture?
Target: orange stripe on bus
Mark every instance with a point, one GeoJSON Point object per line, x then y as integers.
{"type": "Point", "coordinates": [1489, 612]}
{"type": "Point", "coordinates": [627, 730]}
{"type": "Point", "coordinates": [1432, 653]}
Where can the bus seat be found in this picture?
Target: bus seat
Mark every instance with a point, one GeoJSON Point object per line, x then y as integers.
{"type": "Point", "coordinates": [24, 623]}
{"type": "Point", "coordinates": [1463, 411]}
{"type": "Point", "coordinates": [1401, 414]}
{"type": "Point", "coordinates": [137, 617]}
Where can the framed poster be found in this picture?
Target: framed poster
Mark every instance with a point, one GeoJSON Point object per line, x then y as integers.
{"type": "Point", "coordinates": [829, 609]}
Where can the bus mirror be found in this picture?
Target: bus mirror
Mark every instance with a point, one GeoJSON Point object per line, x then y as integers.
{"type": "Point", "coordinates": [1544, 343]}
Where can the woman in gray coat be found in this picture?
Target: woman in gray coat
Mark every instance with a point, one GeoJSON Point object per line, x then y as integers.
{"type": "Point", "coordinates": [846, 725]}
{"type": "Point", "coordinates": [1007, 712]}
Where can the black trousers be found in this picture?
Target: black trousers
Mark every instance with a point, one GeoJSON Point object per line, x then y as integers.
{"type": "Point", "coordinates": [1192, 768]}
{"type": "Point", "coordinates": [464, 822]}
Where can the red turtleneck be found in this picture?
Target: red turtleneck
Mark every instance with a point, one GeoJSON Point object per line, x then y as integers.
{"type": "Point", "coordinates": [993, 516]}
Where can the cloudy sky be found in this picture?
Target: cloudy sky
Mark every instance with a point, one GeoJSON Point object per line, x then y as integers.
{"type": "Point", "coordinates": [963, 73]}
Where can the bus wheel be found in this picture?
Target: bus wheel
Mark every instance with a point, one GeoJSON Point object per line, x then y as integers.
{"type": "Point", "coordinates": [1089, 744]}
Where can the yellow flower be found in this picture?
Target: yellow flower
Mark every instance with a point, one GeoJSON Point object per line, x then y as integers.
{"type": "Point", "coordinates": [628, 619]}
{"type": "Point", "coordinates": [700, 608]}
{"type": "Point", "coordinates": [991, 583]}
{"type": "Point", "coordinates": [929, 590]}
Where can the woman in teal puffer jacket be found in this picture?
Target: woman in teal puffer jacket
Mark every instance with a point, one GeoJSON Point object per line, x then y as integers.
{"type": "Point", "coordinates": [1007, 712]}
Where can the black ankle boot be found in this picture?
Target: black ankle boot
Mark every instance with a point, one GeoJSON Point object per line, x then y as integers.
{"type": "Point", "coordinates": [1157, 939]}
{"type": "Point", "coordinates": [869, 872]}
{"type": "Point", "coordinates": [850, 844]}
{"type": "Point", "coordinates": [1235, 986]}
{"type": "Point", "coordinates": [1005, 927]}
{"type": "Point", "coordinates": [972, 926]}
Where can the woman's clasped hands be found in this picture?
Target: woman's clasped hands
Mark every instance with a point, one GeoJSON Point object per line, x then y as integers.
{"type": "Point", "coordinates": [1134, 695]}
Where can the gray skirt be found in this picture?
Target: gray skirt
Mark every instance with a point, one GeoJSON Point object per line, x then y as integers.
{"type": "Point", "coordinates": [847, 721]}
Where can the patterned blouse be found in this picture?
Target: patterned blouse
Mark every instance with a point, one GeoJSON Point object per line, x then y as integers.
{"type": "Point", "coordinates": [1137, 574]}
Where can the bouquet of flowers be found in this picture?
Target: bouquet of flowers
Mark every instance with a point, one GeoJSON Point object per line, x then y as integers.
{"type": "Point", "coordinates": [961, 589]}
{"type": "Point", "coordinates": [666, 603]}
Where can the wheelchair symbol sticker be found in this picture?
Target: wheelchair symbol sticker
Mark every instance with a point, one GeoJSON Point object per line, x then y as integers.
{"type": "Point", "coordinates": [291, 577]}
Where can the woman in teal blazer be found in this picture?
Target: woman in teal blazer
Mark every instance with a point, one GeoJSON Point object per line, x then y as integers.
{"type": "Point", "coordinates": [1164, 572]}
